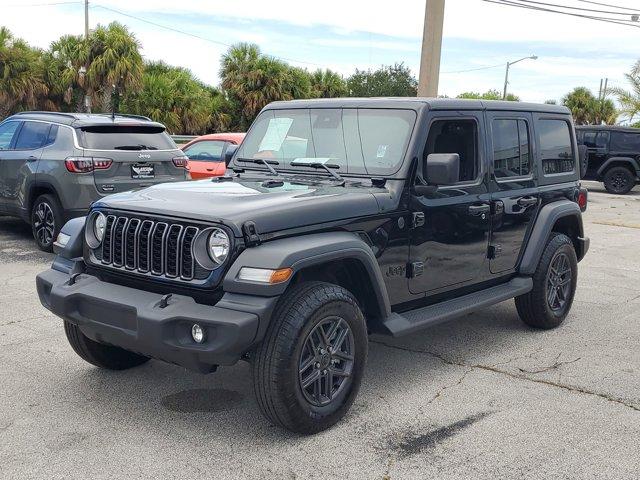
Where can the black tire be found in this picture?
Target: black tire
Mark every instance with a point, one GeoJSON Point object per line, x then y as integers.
{"type": "Point", "coordinates": [619, 180]}
{"type": "Point", "coordinates": [46, 221]}
{"type": "Point", "coordinates": [277, 372]}
{"type": "Point", "coordinates": [541, 308]}
{"type": "Point", "coordinates": [100, 355]}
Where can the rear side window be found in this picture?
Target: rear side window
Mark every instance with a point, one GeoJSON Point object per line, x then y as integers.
{"type": "Point", "coordinates": [602, 139]}
{"type": "Point", "coordinates": [126, 137]}
{"type": "Point", "coordinates": [32, 135]}
{"type": "Point", "coordinates": [206, 151]}
{"type": "Point", "coordinates": [7, 131]}
{"type": "Point", "coordinates": [510, 148]}
{"type": "Point", "coordinates": [51, 137]}
{"type": "Point", "coordinates": [625, 142]}
{"type": "Point", "coordinates": [556, 149]}
{"type": "Point", "coordinates": [588, 139]}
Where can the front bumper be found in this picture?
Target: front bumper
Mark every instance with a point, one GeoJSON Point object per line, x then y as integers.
{"type": "Point", "coordinates": [134, 320]}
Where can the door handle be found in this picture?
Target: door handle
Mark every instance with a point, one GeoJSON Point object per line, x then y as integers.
{"type": "Point", "coordinates": [479, 209]}
{"type": "Point", "coordinates": [32, 159]}
{"type": "Point", "coordinates": [527, 201]}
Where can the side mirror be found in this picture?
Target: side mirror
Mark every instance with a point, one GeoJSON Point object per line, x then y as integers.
{"type": "Point", "coordinates": [442, 169]}
{"type": "Point", "coordinates": [228, 153]}
{"type": "Point", "coordinates": [583, 159]}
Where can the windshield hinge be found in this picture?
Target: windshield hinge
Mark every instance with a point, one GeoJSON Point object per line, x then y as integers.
{"type": "Point", "coordinates": [250, 234]}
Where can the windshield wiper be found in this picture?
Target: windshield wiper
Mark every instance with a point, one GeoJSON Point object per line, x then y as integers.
{"type": "Point", "coordinates": [134, 147]}
{"type": "Point", "coordinates": [322, 166]}
{"type": "Point", "coordinates": [261, 161]}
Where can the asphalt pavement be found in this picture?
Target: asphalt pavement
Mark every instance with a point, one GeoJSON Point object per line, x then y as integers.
{"type": "Point", "coordinates": [484, 397]}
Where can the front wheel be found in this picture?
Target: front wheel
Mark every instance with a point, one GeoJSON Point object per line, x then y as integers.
{"type": "Point", "coordinates": [619, 180]}
{"type": "Point", "coordinates": [554, 285]}
{"type": "Point", "coordinates": [307, 370]}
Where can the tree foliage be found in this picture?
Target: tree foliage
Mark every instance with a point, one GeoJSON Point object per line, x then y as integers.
{"type": "Point", "coordinates": [629, 100]}
{"type": "Point", "coordinates": [387, 81]}
{"type": "Point", "coordinates": [489, 95]}
{"type": "Point", "coordinates": [589, 110]}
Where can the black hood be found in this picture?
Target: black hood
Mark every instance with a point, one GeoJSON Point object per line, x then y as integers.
{"type": "Point", "coordinates": [234, 202]}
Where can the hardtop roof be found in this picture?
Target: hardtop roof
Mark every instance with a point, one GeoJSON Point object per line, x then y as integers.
{"type": "Point", "coordinates": [419, 103]}
{"type": "Point", "coordinates": [609, 128]}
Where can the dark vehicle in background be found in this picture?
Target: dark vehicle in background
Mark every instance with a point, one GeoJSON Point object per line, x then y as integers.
{"type": "Point", "coordinates": [206, 153]}
{"type": "Point", "coordinates": [613, 156]}
{"type": "Point", "coordinates": [54, 165]}
{"type": "Point", "coordinates": [336, 218]}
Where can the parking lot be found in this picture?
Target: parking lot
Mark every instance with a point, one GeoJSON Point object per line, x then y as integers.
{"type": "Point", "coordinates": [483, 397]}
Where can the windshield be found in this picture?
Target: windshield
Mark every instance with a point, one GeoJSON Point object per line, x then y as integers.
{"type": "Point", "coordinates": [358, 140]}
{"type": "Point", "coordinates": [116, 137]}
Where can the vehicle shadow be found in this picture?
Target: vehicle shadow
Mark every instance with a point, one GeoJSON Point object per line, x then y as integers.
{"type": "Point", "coordinates": [164, 398]}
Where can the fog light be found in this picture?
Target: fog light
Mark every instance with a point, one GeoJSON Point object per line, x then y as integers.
{"type": "Point", "coordinates": [197, 333]}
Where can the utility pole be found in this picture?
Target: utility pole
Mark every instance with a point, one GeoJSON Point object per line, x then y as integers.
{"type": "Point", "coordinates": [431, 48]}
{"type": "Point", "coordinates": [87, 97]}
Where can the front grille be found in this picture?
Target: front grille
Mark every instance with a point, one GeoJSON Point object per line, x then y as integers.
{"type": "Point", "coordinates": [149, 246]}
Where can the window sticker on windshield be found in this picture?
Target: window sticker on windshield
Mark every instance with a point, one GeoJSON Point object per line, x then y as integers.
{"type": "Point", "coordinates": [275, 134]}
{"type": "Point", "coordinates": [382, 151]}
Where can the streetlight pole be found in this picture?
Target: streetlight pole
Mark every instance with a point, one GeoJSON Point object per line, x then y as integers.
{"type": "Point", "coordinates": [87, 97]}
{"type": "Point", "coordinates": [506, 75]}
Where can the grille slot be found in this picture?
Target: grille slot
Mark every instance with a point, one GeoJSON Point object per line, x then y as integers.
{"type": "Point", "coordinates": [148, 246]}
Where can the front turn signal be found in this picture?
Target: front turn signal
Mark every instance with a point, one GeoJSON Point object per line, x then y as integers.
{"type": "Point", "coordinates": [265, 275]}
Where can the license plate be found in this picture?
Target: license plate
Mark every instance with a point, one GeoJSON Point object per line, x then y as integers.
{"type": "Point", "coordinates": [142, 171]}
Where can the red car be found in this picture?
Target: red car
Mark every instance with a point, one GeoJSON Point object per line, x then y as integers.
{"type": "Point", "coordinates": [206, 153]}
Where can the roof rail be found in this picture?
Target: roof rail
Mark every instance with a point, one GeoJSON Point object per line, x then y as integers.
{"type": "Point", "coordinates": [126, 115]}
{"type": "Point", "coordinates": [40, 112]}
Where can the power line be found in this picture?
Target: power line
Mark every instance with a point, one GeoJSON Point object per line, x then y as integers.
{"type": "Point", "coordinates": [609, 12]}
{"type": "Point", "coordinates": [176, 30]}
{"type": "Point", "coordinates": [476, 69]}
{"type": "Point", "coordinates": [608, 5]}
{"type": "Point", "coordinates": [41, 4]}
{"type": "Point", "coordinates": [589, 17]}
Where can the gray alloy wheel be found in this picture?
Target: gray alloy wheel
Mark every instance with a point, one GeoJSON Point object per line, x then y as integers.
{"type": "Point", "coordinates": [44, 223]}
{"type": "Point", "coordinates": [326, 361]}
{"type": "Point", "coordinates": [559, 279]}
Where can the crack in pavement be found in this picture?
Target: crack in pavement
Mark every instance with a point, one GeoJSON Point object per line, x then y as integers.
{"type": "Point", "coordinates": [519, 376]}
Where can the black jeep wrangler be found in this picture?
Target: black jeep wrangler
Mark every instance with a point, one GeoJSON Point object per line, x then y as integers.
{"type": "Point", "coordinates": [613, 156]}
{"type": "Point", "coordinates": [336, 218]}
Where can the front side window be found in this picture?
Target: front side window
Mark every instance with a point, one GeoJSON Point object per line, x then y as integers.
{"type": "Point", "coordinates": [456, 136]}
{"type": "Point", "coordinates": [510, 148]}
{"type": "Point", "coordinates": [366, 141]}
{"type": "Point", "coordinates": [588, 139]}
{"type": "Point", "coordinates": [206, 151]}
{"type": "Point", "coordinates": [32, 135]}
{"type": "Point", "coordinates": [556, 149]}
{"type": "Point", "coordinates": [7, 131]}
{"type": "Point", "coordinates": [625, 142]}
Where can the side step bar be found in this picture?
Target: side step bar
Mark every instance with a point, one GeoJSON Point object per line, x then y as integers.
{"type": "Point", "coordinates": [404, 323]}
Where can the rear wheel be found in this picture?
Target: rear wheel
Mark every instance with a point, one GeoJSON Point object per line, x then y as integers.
{"type": "Point", "coordinates": [619, 180]}
{"type": "Point", "coordinates": [98, 354]}
{"type": "Point", "coordinates": [307, 371]}
{"type": "Point", "coordinates": [554, 285]}
{"type": "Point", "coordinates": [46, 221]}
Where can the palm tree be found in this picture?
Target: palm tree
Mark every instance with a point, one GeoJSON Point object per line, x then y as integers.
{"type": "Point", "coordinates": [21, 78]}
{"type": "Point", "coordinates": [629, 100]}
{"type": "Point", "coordinates": [328, 84]}
{"type": "Point", "coordinates": [582, 104]}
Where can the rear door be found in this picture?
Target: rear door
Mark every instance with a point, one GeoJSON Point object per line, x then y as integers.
{"type": "Point", "coordinates": [515, 198]}
{"type": "Point", "coordinates": [19, 164]}
{"type": "Point", "coordinates": [131, 156]}
{"type": "Point", "coordinates": [597, 143]}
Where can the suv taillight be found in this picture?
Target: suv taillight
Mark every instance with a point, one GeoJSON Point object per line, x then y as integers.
{"type": "Point", "coordinates": [583, 197]}
{"type": "Point", "coordinates": [86, 164]}
{"type": "Point", "coordinates": [181, 161]}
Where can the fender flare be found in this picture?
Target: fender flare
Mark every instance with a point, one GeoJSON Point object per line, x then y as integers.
{"type": "Point", "coordinates": [629, 160]}
{"type": "Point", "coordinates": [74, 246]}
{"type": "Point", "coordinates": [546, 219]}
{"type": "Point", "coordinates": [302, 252]}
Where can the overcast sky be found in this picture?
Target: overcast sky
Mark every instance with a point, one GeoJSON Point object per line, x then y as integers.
{"type": "Point", "coordinates": [345, 34]}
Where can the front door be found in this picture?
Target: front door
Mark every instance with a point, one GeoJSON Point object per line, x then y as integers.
{"type": "Point", "coordinates": [8, 133]}
{"type": "Point", "coordinates": [450, 233]}
{"type": "Point", "coordinates": [514, 196]}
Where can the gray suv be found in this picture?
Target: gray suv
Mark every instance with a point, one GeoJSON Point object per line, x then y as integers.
{"type": "Point", "coordinates": [54, 165]}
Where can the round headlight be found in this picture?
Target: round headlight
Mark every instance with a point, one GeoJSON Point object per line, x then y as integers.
{"type": "Point", "coordinates": [99, 225]}
{"type": "Point", "coordinates": [218, 246]}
